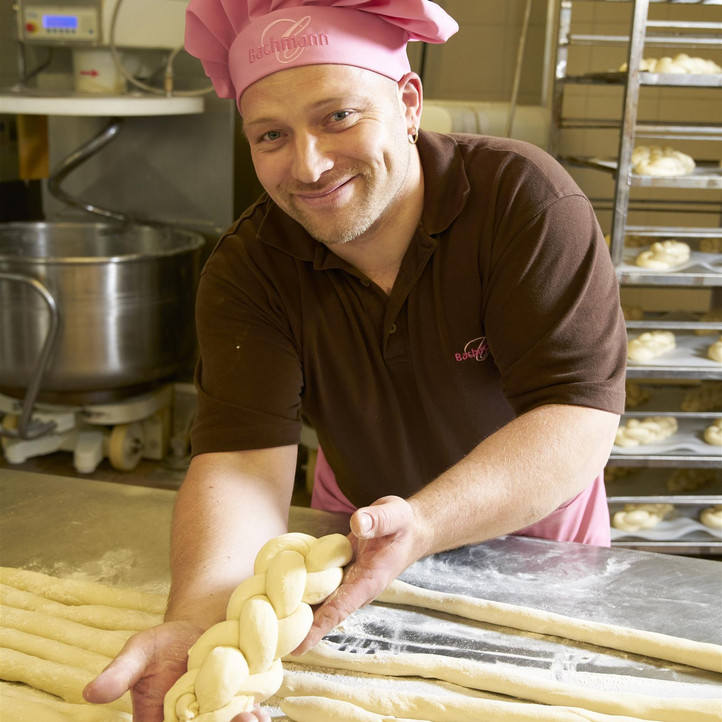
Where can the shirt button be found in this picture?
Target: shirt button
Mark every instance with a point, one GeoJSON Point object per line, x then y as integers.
{"type": "Point", "coordinates": [393, 328]}
{"type": "Point", "coordinates": [365, 282]}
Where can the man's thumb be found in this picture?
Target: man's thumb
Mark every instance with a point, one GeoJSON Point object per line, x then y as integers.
{"type": "Point", "coordinates": [385, 516]}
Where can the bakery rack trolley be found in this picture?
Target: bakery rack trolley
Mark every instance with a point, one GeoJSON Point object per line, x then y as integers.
{"type": "Point", "coordinates": [695, 30]}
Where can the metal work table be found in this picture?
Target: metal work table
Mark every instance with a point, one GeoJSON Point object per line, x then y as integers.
{"type": "Point", "coordinates": [118, 535]}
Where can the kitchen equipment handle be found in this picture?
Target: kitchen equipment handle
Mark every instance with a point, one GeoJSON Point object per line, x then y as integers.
{"type": "Point", "coordinates": [33, 428]}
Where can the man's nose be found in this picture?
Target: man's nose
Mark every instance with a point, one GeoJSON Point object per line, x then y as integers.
{"type": "Point", "coordinates": [310, 159]}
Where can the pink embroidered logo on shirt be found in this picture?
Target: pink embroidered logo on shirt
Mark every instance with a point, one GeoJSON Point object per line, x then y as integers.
{"type": "Point", "coordinates": [290, 44]}
{"type": "Point", "coordinates": [476, 350]}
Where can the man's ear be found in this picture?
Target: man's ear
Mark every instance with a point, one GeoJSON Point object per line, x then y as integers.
{"type": "Point", "coordinates": [411, 98]}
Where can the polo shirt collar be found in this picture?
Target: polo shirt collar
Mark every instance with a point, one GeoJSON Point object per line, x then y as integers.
{"type": "Point", "coordinates": [446, 190]}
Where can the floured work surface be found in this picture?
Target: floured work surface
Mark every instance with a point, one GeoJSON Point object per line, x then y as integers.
{"type": "Point", "coordinates": [670, 595]}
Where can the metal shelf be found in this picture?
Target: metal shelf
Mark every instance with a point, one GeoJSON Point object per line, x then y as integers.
{"type": "Point", "coordinates": [669, 80]}
{"type": "Point", "coordinates": [706, 174]}
{"type": "Point", "coordinates": [687, 362]}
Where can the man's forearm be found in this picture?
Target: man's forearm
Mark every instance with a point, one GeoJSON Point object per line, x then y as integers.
{"type": "Point", "coordinates": [515, 477]}
{"type": "Point", "coordinates": [228, 506]}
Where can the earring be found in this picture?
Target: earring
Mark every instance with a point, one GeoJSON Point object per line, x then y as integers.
{"type": "Point", "coordinates": [413, 136]}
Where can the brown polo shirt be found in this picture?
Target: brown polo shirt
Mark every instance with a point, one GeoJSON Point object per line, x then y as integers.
{"type": "Point", "coordinates": [506, 300]}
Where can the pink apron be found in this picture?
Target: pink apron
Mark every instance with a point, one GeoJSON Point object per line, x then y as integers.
{"type": "Point", "coordinates": [583, 519]}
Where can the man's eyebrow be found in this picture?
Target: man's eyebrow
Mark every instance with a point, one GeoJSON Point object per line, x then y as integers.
{"type": "Point", "coordinates": [336, 100]}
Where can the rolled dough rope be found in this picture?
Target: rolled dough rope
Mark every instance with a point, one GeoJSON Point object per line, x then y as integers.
{"type": "Point", "coordinates": [61, 680]}
{"type": "Point", "coordinates": [24, 704]}
{"type": "Point", "coordinates": [108, 642]}
{"type": "Point", "coordinates": [53, 650]}
{"type": "Point", "coordinates": [507, 680]}
{"type": "Point", "coordinates": [236, 663]}
{"type": "Point", "coordinates": [78, 591]}
{"type": "Point", "coordinates": [702, 655]}
{"type": "Point", "coordinates": [449, 706]}
{"type": "Point", "coordinates": [323, 709]}
{"type": "Point", "coordinates": [94, 615]}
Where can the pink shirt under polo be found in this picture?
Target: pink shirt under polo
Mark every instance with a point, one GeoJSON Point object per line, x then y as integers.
{"type": "Point", "coordinates": [583, 519]}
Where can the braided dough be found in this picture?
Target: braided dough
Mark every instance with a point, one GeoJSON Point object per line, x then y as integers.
{"type": "Point", "coordinates": [712, 516]}
{"type": "Point", "coordinates": [635, 517]}
{"type": "Point", "coordinates": [714, 352]}
{"type": "Point", "coordinates": [679, 64]}
{"type": "Point", "coordinates": [645, 431]}
{"type": "Point", "coordinates": [650, 344]}
{"type": "Point", "coordinates": [705, 397]}
{"type": "Point", "coordinates": [664, 255]}
{"type": "Point", "coordinates": [657, 161]}
{"type": "Point", "coordinates": [713, 433]}
{"type": "Point", "coordinates": [236, 663]}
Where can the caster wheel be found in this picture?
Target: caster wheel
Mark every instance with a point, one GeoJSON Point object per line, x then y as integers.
{"type": "Point", "coordinates": [126, 446]}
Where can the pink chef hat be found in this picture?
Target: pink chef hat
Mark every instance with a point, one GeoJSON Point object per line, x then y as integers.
{"type": "Point", "coordinates": [241, 41]}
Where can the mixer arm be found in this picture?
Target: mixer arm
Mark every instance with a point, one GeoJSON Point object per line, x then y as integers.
{"type": "Point", "coordinates": [28, 428]}
{"type": "Point", "coordinates": [75, 159]}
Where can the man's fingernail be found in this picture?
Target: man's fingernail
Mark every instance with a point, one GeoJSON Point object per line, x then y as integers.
{"type": "Point", "coordinates": [365, 522]}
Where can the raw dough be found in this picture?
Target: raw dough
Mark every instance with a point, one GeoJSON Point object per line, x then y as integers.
{"type": "Point", "coordinates": [649, 430]}
{"type": "Point", "coordinates": [680, 64]}
{"type": "Point", "coordinates": [714, 315]}
{"type": "Point", "coordinates": [664, 255]}
{"type": "Point", "coordinates": [712, 516]}
{"type": "Point", "coordinates": [107, 642]}
{"type": "Point", "coordinates": [450, 705]}
{"type": "Point", "coordinates": [635, 395]}
{"type": "Point", "coordinates": [94, 615]}
{"type": "Point", "coordinates": [705, 397]}
{"type": "Point", "coordinates": [324, 709]}
{"type": "Point", "coordinates": [640, 516]}
{"type": "Point", "coordinates": [713, 433]}
{"type": "Point", "coordinates": [24, 704]}
{"type": "Point", "coordinates": [62, 680]}
{"type": "Point", "coordinates": [79, 591]}
{"type": "Point", "coordinates": [711, 245]}
{"type": "Point", "coordinates": [715, 350]}
{"type": "Point", "coordinates": [635, 641]}
{"type": "Point", "coordinates": [511, 681]}
{"type": "Point", "coordinates": [237, 663]}
{"type": "Point", "coordinates": [689, 479]}
{"type": "Point", "coordinates": [53, 650]}
{"type": "Point", "coordinates": [657, 161]}
{"type": "Point", "coordinates": [650, 344]}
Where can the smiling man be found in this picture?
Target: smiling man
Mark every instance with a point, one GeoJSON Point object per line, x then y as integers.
{"type": "Point", "coordinates": [441, 309]}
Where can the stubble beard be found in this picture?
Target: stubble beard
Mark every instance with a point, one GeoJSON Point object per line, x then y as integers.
{"type": "Point", "coordinates": [369, 209]}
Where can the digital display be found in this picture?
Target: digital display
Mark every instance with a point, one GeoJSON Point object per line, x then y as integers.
{"type": "Point", "coordinates": [60, 22]}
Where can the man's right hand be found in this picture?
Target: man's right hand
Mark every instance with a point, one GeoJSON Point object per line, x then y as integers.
{"type": "Point", "coordinates": [148, 665]}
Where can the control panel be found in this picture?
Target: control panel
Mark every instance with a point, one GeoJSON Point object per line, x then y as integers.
{"type": "Point", "coordinates": [60, 24]}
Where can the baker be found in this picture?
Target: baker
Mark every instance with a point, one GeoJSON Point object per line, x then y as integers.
{"type": "Point", "coordinates": [441, 309]}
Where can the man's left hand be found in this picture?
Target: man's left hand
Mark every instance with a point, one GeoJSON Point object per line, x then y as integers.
{"type": "Point", "coordinates": [387, 538]}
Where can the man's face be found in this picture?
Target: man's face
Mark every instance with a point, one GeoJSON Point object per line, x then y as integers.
{"type": "Point", "coordinates": [329, 145]}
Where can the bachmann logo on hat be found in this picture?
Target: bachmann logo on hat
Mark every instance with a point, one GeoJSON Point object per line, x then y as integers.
{"type": "Point", "coordinates": [285, 38]}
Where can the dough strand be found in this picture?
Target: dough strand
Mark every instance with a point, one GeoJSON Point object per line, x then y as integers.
{"type": "Point", "coordinates": [107, 642]}
{"type": "Point", "coordinates": [79, 591]}
{"type": "Point", "coordinates": [701, 655]}
{"type": "Point", "coordinates": [94, 615]}
{"type": "Point", "coordinates": [510, 681]}
{"type": "Point", "coordinates": [451, 705]}
{"type": "Point", "coordinates": [59, 679]}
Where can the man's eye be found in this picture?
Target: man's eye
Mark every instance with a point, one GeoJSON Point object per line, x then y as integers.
{"type": "Point", "coordinates": [340, 115]}
{"type": "Point", "coordinates": [271, 135]}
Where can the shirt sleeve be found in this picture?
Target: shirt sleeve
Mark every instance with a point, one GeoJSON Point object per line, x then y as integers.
{"type": "Point", "coordinates": [249, 376]}
{"type": "Point", "coordinates": [552, 314]}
